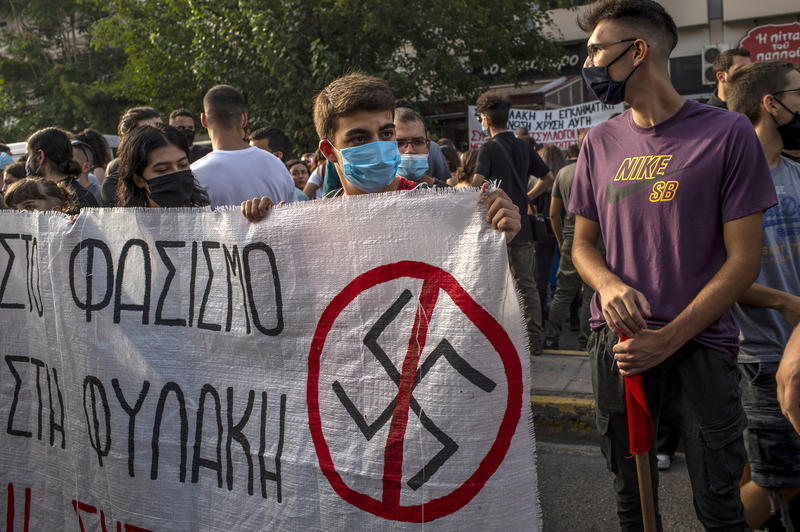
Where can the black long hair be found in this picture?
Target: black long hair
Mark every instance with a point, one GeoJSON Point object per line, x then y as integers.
{"type": "Point", "coordinates": [97, 144]}
{"type": "Point", "coordinates": [133, 116]}
{"type": "Point", "coordinates": [57, 149]}
{"type": "Point", "coordinates": [133, 157]}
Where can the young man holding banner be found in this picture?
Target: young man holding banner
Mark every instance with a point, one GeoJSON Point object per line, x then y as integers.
{"type": "Point", "coordinates": [354, 117]}
{"type": "Point", "coordinates": [678, 190]}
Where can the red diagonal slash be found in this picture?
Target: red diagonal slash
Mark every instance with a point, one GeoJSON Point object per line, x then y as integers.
{"type": "Point", "coordinates": [393, 455]}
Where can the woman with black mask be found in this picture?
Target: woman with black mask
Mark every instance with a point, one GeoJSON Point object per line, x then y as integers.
{"type": "Point", "coordinates": [154, 170]}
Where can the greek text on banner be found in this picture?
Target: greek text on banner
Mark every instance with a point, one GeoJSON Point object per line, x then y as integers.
{"type": "Point", "coordinates": [547, 126]}
{"type": "Point", "coordinates": [187, 370]}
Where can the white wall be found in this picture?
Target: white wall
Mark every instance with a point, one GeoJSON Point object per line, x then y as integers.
{"type": "Point", "coordinates": [747, 9]}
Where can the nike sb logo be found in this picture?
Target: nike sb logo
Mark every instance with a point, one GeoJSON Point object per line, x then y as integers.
{"type": "Point", "coordinates": [646, 171]}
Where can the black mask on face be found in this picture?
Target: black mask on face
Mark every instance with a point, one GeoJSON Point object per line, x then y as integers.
{"type": "Point", "coordinates": [189, 134]}
{"type": "Point", "coordinates": [607, 90]}
{"type": "Point", "coordinates": [172, 190]}
{"type": "Point", "coordinates": [790, 131]}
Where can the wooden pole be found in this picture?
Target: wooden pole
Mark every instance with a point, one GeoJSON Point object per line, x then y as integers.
{"type": "Point", "coordinates": [646, 492]}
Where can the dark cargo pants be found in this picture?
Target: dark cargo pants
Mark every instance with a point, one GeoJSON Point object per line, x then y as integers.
{"type": "Point", "coordinates": [697, 391]}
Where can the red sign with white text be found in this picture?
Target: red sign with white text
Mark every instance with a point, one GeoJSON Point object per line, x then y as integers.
{"type": "Point", "coordinates": [774, 42]}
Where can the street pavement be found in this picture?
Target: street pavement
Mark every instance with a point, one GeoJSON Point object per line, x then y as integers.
{"type": "Point", "coordinates": [576, 491]}
{"type": "Point", "coordinates": [575, 488]}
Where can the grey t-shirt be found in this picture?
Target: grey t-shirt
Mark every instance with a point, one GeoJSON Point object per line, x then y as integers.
{"type": "Point", "coordinates": [561, 189]}
{"type": "Point", "coordinates": [764, 332]}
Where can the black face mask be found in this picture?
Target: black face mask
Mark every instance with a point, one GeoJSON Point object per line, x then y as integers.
{"type": "Point", "coordinates": [790, 131]}
{"type": "Point", "coordinates": [607, 90]}
{"type": "Point", "coordinates": [172, 190]}
{"type": "Point", "coordinates": [189, 134]}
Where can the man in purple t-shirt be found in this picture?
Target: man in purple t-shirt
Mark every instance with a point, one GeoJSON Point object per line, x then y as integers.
{"type": "Point", "coordinates": [677, 189]}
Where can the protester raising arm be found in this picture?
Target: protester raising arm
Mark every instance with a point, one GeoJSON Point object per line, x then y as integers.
{"type": "Point", "coordinates": [788, 378]}
{"type": "Point", "coordinates": [502, 213]}
{"type": "Point", "coordinates": [254, 210]}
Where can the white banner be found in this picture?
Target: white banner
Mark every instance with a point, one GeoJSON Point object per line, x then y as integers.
{"type": "Point", "coordinates": [348, 364]}
{"type": "Point", "coordinates": [549, 126]}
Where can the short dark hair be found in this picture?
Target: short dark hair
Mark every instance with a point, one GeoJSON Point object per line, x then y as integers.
{"type": "Point", "coordinates": [496, 106]}
{"type": "Point", "coordinates": [407, 114]}
{"type": "Point", "coordinates": [131, 118]}
{"type": "Point", "coordinates": [748, 85]}
{"type": "Point", "coordinates": [346, 95]}
{"type": "Point", "coordinates": [277, 139]}
{"type": "Point", "coordinates": [444, 141]}
{"type": "Point", "coordinates": [5, 149]}
{"type": "Point", "coordinates": [294, 162]}
{"type": "Point", "coordinates": [400, 102]}
{"type": "Point", "coordinates": [180, 112]}
{"type": "Point", "coordinates": [648, 15]}
{"type": "Point", "coordinates": [223, 106]}
{"type": "Point", "coordinates": [724, 60]}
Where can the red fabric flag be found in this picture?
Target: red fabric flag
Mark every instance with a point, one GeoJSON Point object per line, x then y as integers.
{"type": "Point", "coordinates": [640, 423]}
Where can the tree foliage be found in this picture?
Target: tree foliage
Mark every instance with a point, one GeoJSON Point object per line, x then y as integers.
{"type": "Point", "coordinates": [49, 72]}
{"type": "Point", "coordinates": [280, 53]}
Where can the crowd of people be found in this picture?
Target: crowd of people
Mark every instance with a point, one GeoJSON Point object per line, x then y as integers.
{"type": "Point", "coordinates": [676, 220]}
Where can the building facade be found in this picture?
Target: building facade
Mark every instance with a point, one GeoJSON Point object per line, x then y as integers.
{"type": "Point", "coordinates": [705, 27]}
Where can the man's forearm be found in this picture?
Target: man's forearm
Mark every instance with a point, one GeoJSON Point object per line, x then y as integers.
{"type": "Point", "coordinates": [758, 295]}
{"type": "Point", "coordinates": [541, 186]}
{"type": "Point", "coordinates": [788, 380]}
{"type": "Point", "coordinates": [591, 265]}
{"type": "Point", "coordinates": [557, 229]}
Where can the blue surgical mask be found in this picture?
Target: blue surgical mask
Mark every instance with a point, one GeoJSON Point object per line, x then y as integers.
{"type": "Point", "coordinates": [607, 90]}
{"type": "Point", "coordinates": [371, 167]}
{"type": "Point", "coordinates": [5, 159]}
{"type": "Point", "coordinates": [413, 165]}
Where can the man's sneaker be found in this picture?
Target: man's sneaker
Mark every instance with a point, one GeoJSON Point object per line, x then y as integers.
{"type": "Point", "coordinates": [664, 462]}
{"type": "Point", "coordinates": [550, 344]}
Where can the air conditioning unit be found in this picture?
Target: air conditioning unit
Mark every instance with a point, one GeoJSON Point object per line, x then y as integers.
{"type": "Point", "coordinates": [710, 52]}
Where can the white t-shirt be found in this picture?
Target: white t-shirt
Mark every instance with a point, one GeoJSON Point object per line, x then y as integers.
{"type": "Point", "coordinates": [231, 177]}
{"type": "Point", "coordinates": [316, 178]}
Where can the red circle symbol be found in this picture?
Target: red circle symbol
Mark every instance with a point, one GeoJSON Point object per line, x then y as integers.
{"type": "Point", "coordinates": [434, 279]}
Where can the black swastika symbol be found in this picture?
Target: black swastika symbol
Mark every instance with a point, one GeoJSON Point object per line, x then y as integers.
{"type": "Point", "coordinates": [443, 350]}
